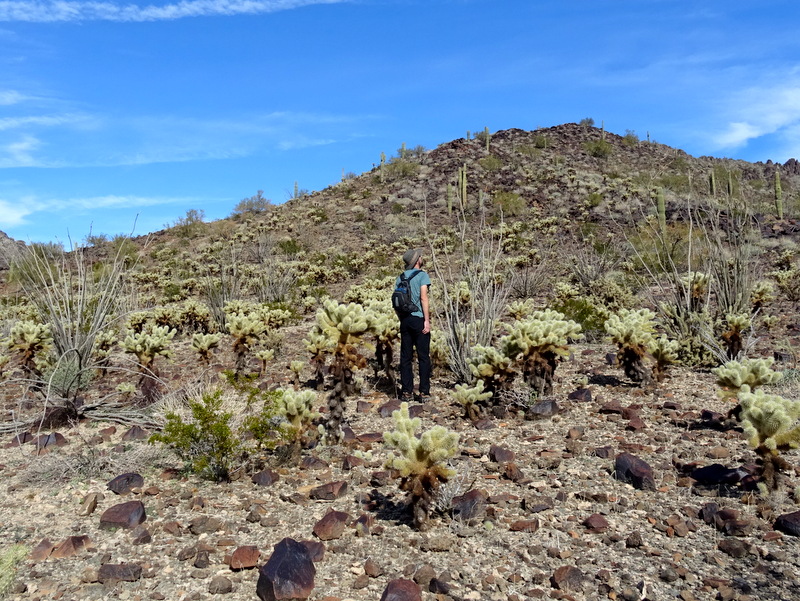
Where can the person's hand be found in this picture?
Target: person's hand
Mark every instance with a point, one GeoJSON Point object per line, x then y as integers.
{"type": "Point", "coordinates": [426, 327]}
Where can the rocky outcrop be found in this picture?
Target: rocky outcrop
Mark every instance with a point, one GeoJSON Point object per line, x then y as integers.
{"type": "Point", "coordinates": [8, 246]}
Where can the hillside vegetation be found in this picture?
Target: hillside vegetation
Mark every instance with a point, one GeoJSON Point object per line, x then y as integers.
{"type": "Point", "coordinates": [572, 269]}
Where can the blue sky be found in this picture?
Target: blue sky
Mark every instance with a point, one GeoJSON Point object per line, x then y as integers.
{"type": "Point", "coordinates": [114, 114]}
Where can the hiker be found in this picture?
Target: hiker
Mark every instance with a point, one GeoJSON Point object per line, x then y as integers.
{"type": "Point", "coordinates": [415, 328]}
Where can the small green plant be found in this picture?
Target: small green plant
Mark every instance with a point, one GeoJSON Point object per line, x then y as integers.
{"type": "Point", "coordinates": [600, 149]}
{"type": "Point", "coordinates": [510, 203]}
{"type": "Point", "coordinates": [246, 330]}
{"type": "Point", "coordinates": [632, 332]}
{"type": "Point", "coordinates": [9, 559]}
{"type": "Point", "coordinates": [420, 461]}
{"type": "Point", "coordinates": [296, 407]}
{"type": "Point", "coordinates": [770, 424]}
{"type": "Point", "coordinates": [206, 444]}
{"type": "Point", "coordinates": [664, 352]}
{"type": "Point", "coordinates": [253, 205]}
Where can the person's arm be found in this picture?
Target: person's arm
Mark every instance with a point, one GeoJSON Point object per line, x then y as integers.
{"type": "Point", "coordinates": [423, 299]}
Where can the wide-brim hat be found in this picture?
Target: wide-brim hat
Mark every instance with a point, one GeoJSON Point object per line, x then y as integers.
{"type": "Point", "coordinates": [411, 257]}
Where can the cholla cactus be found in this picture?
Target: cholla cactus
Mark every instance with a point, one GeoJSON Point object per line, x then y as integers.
{"type": "Point", "coordinates": [138, 320]}
{"type": "Point", "coordinates": [103, 343]}
{"type": "Point", "coordinates": [344, 325]}
{"type": "Point", "coordinates": [319, 345]}
{"type": "Point", "coordinates": [149, 344]}
{"type": "Point", "coordinates": [695, 286]}
{"type": "Point", "coordinates": [296, 367]}
{"type": "Point", "coordinates": [386, 328]}
{"type": "Point", "coordinates": [518, 310]}
{"type": "Point", "coordinates": [493, 368]}
{"type": "Point", "coordinates": [421, 461]}
{"type": "Point", "coordinates": [770, 424]}
{"type": "Point", "coordinates": [470, 397]}
{"type": "Point", "coordinates": [665, 352]}
{"type": "Point", "coordinates": [763, 293]}
{"type": "Point", "coordinates": [4, 359]}
{"type": "Point", "coordinates": [194, 316]}
{"type": "Point", "coordinates": [632, 332]}
{"type": "Point", "coordinates": [737, 323]}
{"type": "Point", "coordinates": [538, 343]}
{"type": "Point", "coordinates": [752, 373]}
{"type": "Point", "coordinates": [264, 356]}
{"type": "Point", "coordinates": [30, 340]}
{"type": "Point", "coordinates": [204, 344]}
{"type": "Point", "coordinates": [297, 408]}
{"type": "Point", "coordinates": [246, 330]}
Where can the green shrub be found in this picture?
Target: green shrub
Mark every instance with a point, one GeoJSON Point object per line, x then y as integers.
{"type": "Point", "coordinates": [207, 444]}
{"type": "Point", "coordinates": [600, 149]}
{"type": "Point", "coordinates": [490, 163]}
{"type": "Point", "coordinates": [510, 203]}
{"type": "Point", "coordinates": [9, 559]}
{"type": "Point", "coordinates": [254, 205]}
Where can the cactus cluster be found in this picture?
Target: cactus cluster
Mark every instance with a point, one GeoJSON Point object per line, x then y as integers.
{"type": "Point", "coordinates": [148, 344]}
{"type": "Point", "coordinates": [753, 373]}
{"type": "Point", "coordinates": [472, 399]}
{"type": "Point", "coordinates": [31, 340]}
{"type": "Point", "coordinates": [421, 461]}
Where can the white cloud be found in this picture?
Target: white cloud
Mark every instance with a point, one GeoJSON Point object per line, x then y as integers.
{"type": "Point", "coordinates": [19, 153]}
{"type": "Point", "coordinates": [42, 121]}
{"type": "Point", "coordinates": [13, 214]}
{"type": "Point", "coordinates": [758, 112]}
{"type": "Point", "coordinates": [43, 12]}
{"type": "Point", "coordinates": [9, 97]}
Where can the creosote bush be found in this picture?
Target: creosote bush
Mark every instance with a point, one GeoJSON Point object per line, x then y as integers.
{"type": "Point", "coordinates": [420, 460]}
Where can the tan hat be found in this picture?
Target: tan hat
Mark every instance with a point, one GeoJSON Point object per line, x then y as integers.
{"type": "Point", "coordinates": [411, 257]}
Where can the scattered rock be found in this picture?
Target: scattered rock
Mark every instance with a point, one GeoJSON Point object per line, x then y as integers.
{"type": "Point", "coordinates": [524, 525]}
{"type": "Point", "coordinates": [331, 526]}
{"type": "Point", "coordinates": [596, 523]}
{"type": "Point", "coordinates": [329, 492]}
{"type": "Point", "coordinates": [581, 394]}
{"type": "Point", "coordinates": [265, 478]}
{"type": "Point", "coordinates": [470, 505]}
{"type": "Point", "coordinates": [124, 515]}
{"type": "Point", "coordinates": [124, 483]}
{"type": "Point", "coordinates": [220, 585]}
{"type": "Point", "coordinates": [500, 454]}
{"type": "Point", "coordinates": [136, 433]}
{"type": "Point", "coordinates": [733, 546]}
{"type": "Point", "coordinates": [125, 572]}
{"type": "Point", "coordinates": [401, 590]}
{"type": "Point", "coordinates": [289, 573]}
{"type": "Point", "coordinates": [542, 409]}
{"type": "Point", "coordinates": [634, 471]}
{"type": "Point", "coordinates": [788, 523]}
{"type": "Point", "coordinates": [42, 551]}
{"type": "Point", "coordinates": [244, 558]}
{"type": "Point", "coordinates": [567, 578]}
{"type": "Point", "coordinates": [70, 547]}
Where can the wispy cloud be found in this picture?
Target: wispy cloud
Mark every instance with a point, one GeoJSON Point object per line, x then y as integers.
{"type": "Point", "coordinates": [48, 12]}
{"type": "Point", "coordinates": [9, 97]}
{"type": "Point", "coordinates": [14, 213]}
{"type": "Point", "coordinates": [760, 111]}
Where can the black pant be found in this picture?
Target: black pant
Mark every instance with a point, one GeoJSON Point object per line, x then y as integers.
{"type": "Point", "coordinates": [411, 337]}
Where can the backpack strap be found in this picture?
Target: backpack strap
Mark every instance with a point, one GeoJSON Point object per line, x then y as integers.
{"type": "Point", "coordinates": [411, 277]}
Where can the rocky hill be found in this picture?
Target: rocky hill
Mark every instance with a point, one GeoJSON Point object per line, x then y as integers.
{"type": "Point", "coordinates": [608, 486]}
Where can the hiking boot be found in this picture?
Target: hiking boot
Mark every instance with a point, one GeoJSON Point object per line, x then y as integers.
{"type": "Point", "coordinates": [406, 397]}
{"type": "Point", "coordinates": [424, 398]}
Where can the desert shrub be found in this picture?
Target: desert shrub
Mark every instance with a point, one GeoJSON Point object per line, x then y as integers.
{"type": "Point", "coordinates": [206, 444]}
{"type": "Point", "coordinates": [630, 139]}
{"type": "Point", "coordinates": [510, 203]}
{"type": "Point", "coordinates": [148, 344]}
{"type": "Point", "coordinates": [401, 169]}
{"type": "Point", "coordinates": [600, 149]}
{"type": "Point", "coordinates": [255, 204]}
{"type": "Point", "coordinates": [490, 163]}
{"type": "Point", "coordinates": [421, 461]}
{"type": "Point", "coordinates": [30, 340]}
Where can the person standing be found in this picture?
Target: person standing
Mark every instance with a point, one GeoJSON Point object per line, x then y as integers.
{"type": "Point", "coordinates": [415, 329]}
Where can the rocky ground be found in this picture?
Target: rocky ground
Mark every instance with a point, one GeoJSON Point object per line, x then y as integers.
{"type": "Point", "coordinates": [534, 511]}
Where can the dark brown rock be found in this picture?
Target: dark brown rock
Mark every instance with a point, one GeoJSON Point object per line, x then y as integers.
{"type": "Point", "coordinates": [141, 536]}
{"type": "Point", "coordinates": [289, 573]}
{"type": "Point", "coordinates": [123, 515]}
{"type": "Point", "coordinates": [788, 523]}
{"type": "Point", "coordinates": [605, 452]}
{"type": "Point", "coordinates": [265, 478]}
{"type": "Point", "coordinates": [470, 505]}
{"type": "Point", "coordinates": [401, 589]}
{"type": "Point", "coordinates": [113, 572]}
{"type": "Point", "coordinates": [581, 394]}
{"type": "Point", "coordinates": [330, 491]}
{"type": "Point", "coordinates": [351, 461]}
{"type": "Point", "coordinates": [542, 409]}
{"type": "Point", "coordinates": [124, 483]}
{"type": "Point", "coordinates": [20, 439]}
{"type": "Point", "coordinates": [56, 439]}
{"type": "Point", "coordinates": [309, 462]}
{"type": "Point", "coordinates": [331, 526]}
{"type": "Point", "coordinates": [244, 557]}
{"type": "Point", "coordinates": [204, 524]}
{"type": "Point", "coordinates": [567, 578]}
{"type": "Point", "coordinates": [634, 540]}
{"type": "Point", "coordinates": [372, 569]}
{"type": "Point", "coordinates": [89, 503]}
{"type": "Point", "coordinates": [42, 551]}
{"type": "Point", "coordinates": [316, 550]}
{"type": "Point", "coordinates": [513, 472]}
{"type": "Point", "coordinates": [500, 454]}
{"type": "Point", "coordinates": [524, 526]}
{"type": "Point", "coordinates": [596, 523]}
{"type": "Point", "coordinates": [70, 547]}
{"type": "Point", "coordinates": [733, 546]}
{"type": "Point", "coordinates": [388, 408]}
{"type": "Point", "coordinates": [636, 472]}
{"type": "Point", "coordinates": [136, 433]}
